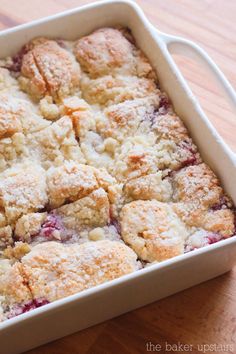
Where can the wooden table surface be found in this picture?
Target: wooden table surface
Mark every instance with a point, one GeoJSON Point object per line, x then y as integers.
{"type": "Point", "coordinates": [204, 314]}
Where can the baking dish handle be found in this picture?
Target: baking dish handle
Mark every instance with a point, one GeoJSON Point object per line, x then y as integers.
{"type": "Point", "coordinates": [179, 45]}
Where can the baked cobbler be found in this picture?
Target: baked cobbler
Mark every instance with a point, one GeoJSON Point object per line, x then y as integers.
{"type": "Point", "coordinates": [98, 175]}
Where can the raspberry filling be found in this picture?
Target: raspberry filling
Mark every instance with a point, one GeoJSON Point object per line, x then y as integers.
{"type": "Point", "coordinates": [28, 306]}
{"type": "Point", "coordinates": [213, 238]}
{"type": "Point", "coordinates": [53, 229]}
{"type": "Point", "coordinates": [17, 60]}
{"type": "Point", "coordinates": [192, 158]}
{"type": "Point", "coordinates": [201, 239]}
{"type": "Point", "coordinates": [51, 225]}
{"type": "Point", "coordinates": [61, 43]}
{"type": "Point", "coordinates": [221, 205]}
{"type": "Point", "coordinates": [164, 105]}
{"type": "Point", "coordinates": [114, 222]}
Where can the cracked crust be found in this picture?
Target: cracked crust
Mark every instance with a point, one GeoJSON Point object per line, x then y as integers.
{"type": "Point", "coordinates": [48, 69]}
{"type": "Point", "coordinates": [70, 182]}
{"type": "Point", "coordinates": [55, 144]}
{"type": "Point", "coordinates": [70, 223]}
{"type": "Point", "coordinates": [81, 114]}
{"type": "Point", "coordinates": [90, 211]}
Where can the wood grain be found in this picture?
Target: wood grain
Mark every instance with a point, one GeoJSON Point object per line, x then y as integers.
{"type": "Point", "coordinates": [205, 314]}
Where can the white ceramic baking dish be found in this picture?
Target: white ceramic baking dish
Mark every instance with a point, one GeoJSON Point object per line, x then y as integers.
{"type": "Point", "coordinates": [147, 285]}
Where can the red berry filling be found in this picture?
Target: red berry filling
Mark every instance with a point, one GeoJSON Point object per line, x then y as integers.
{"type": "Point", "coordinates": [53, 229]}
{"type": "Point", "coordinates": [223, 204]}
{"type": "Point", "coordinates": [114, 222]}
{"type": "Point", "coordinates": [201, 239]}
{"type": "Point", "coordinates": [213, 238]}
{"type": "Point", "coordinates": [191, 153]}
{"type": "Point", "coordinates": [51, 224]}
{"type": "Point", "coordinates": [61, 43]}
{"type": "Point", "coordinates": [17, 60]}
{"type": "Point", "coordinates": [28, 306]}
{"type": "Point", "coordinates": [164, 105]}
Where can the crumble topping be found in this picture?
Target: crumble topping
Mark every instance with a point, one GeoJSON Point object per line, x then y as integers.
{"type": "Point", "coordinates": [109, 90]}
{"type": "Point", "coordinates": [98, 174]}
